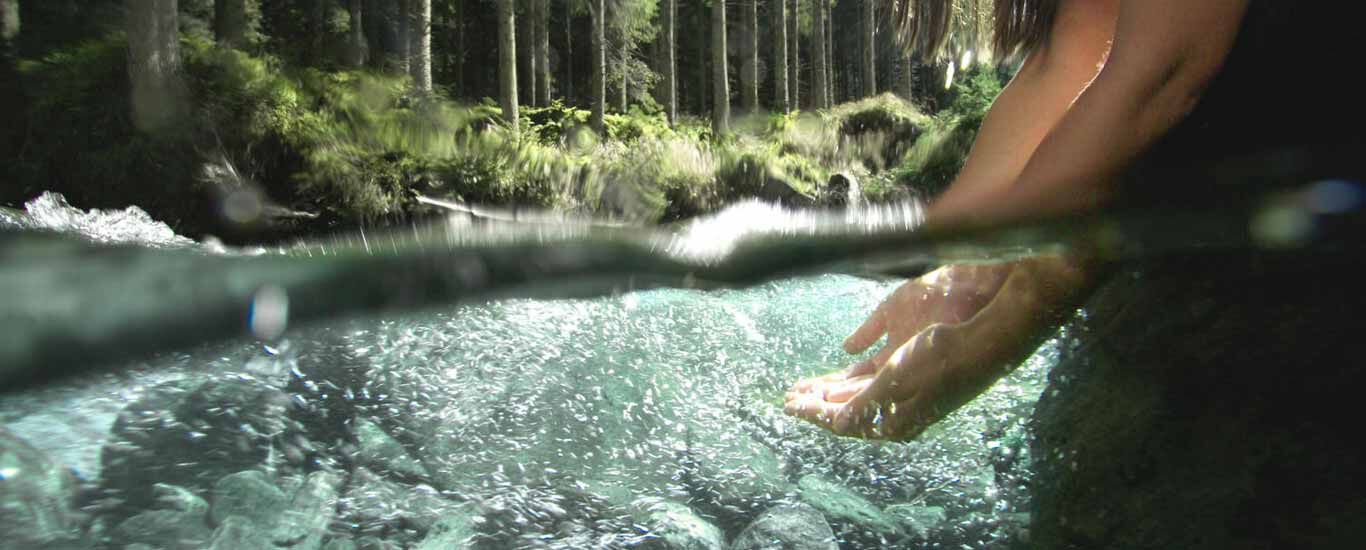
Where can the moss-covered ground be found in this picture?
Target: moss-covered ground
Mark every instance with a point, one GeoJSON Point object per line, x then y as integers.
{"type": "Point", "coordinates": [360, 147]}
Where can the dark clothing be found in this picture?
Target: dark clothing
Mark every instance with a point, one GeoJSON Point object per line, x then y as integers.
{"type": "Point", "coordinates": [1204, 400]}
{"type": "Point", "coordinates": [1286, 108]}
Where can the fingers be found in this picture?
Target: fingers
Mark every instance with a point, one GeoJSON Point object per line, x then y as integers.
{"type": "Point", "coordinates": [855, 407]}
{"type": "Point", "coordinates": [843, 391]}
{"type": "Point", "coordinates": [861, 368]}
{"type": "Point", "coordinates": [812, 408]}
{"type": "Point", "coordinates": [868, 333]}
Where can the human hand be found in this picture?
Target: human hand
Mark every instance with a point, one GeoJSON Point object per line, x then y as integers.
{"type": "Point", "coordinates": [949, 295]}
{"type": "Point", "coordinates": [947, 362]}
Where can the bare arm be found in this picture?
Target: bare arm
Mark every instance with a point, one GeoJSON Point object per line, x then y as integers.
{"type": "Point", "coordinates": [1165, 52]}
{"type": "Point", "coordinates": [1037, 97]}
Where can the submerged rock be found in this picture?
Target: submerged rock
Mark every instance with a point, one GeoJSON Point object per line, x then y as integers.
{"type": "Point", "coordinates": [37, 498]}
{"type": "Point", "coordinates": [377, 506]}
{"type": "Point", "coordinates": [451, 532]}
{"type": "Point", "coordinates": [851, 514]}
{"type": "Point", "coordinates": [918, 520]}
{"type": "Point", "coordinates": [180, 522]}
{"type": "Point", "coordinates": [311, 509]}
{"type": "Point", "coordinates": [192, 436]}
{"type": "Point", "coordinates": [787, 527]}
{"type": "Point", "coordinates": [251, 496]}
{"type": "Point", "coordinates": [340, 544]}
{"type": "Point", "coordinates": [730, 475]}
{"type": "Point", "coordinates": [297, 521]}
{"type": "Point", "coordinates": [675, 526]}
{"type": "Point", "coordinates": [381, 452]}
{"type": "Point", "coordinates": [237, 533]}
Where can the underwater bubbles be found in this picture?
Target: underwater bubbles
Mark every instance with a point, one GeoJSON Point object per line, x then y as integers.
{"type": "Point", "coordinates": [269, 313]}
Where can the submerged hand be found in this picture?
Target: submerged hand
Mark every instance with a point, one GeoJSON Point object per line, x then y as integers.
{"type": "Point", "coordinates": [948, 295]}
{"type": "Point", "coordinates": [948, 361]}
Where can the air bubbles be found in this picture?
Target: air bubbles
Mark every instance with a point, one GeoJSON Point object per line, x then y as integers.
{"type": "Point", "coordinates": [243, 206]}
{"type": "Point", "coordinates": [269, 313]}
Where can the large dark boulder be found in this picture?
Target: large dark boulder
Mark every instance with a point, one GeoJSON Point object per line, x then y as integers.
{"type": "Point", "coordinates": [1208, 403]}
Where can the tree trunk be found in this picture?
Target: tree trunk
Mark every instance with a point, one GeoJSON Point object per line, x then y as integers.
{"type": "Point", "coordinates": [458, 53]}
{"type": "Point", "coordinates": [569, 52]}
{"type": "Point", "coordinates": [820, 88]}
{"type": "Point", "coordinates": [507, 60]}
{"type": "Point", "coordinates": [9, 31]}
{"type": "Point", "coordinates": [794, 58]}
{"type": "Point", "coordinates": [720, 86]}
{"type": "Point", "coordinates": [670, 76]}
{"type": "Point", "coordinates": [421, 48]}
{"type": "Point", "coordinates": [749, 63]}
{"type": "Point", "coordinates": [154, 63]}
{"type": "Point", "coordinates": [829, 54]}
{"type": "Point", "coordinates": [402, 54]}
{"type": "Point", "coordinates": [526, 50]}
{"type": "Point", "coordinates": [317, 31]}
{"type": "Point", "coordinates": [230, 22]}
{"type": "Point", "coordinates": [543, 51]}
{"type": "Point", "coordinates": [599, 62]}
{"type": "Point", "coordinates": [779, 26]}
{"type": "Point", "coordinates": [357, 49]}
{"type": "Point", "coordinates": [869, 51]}
{"type": "Point", "coordinates": [907, 77]}
{"type": "Point", "coordinates": [702, 95]}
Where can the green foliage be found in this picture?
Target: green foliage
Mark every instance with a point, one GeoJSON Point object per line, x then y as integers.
{"type": "Point", "coordinates": [937, 157]}
{"type": "Point", "coordinates": [975, 94]}
{"type": "Point", "coordinates": [358, 147]}
{"type": "Point", "coordinates": [75, 135]}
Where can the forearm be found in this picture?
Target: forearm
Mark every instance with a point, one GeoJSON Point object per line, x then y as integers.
{"type": "Point", "coordinates": [1155, 76]}
{"type": "Point", "coordinates": [1018, 120]}
{"type": "Point", "coordinates": [1034, 102]}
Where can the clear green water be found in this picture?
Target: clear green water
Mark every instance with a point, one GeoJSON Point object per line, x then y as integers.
{"type": "Point", "coordinates": [644, 418]}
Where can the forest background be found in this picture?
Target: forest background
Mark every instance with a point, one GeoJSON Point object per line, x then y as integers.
{"type": "Point", "coordinates": [257, 120]}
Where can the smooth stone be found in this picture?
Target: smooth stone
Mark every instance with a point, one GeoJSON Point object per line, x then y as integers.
{"type": "Point", "coordinates": [452, 532]}
{"type": "Point", "coordinates": [37, 497]}
{"type": "Point", "coordinates": [918, 520]}
{"type": "Point", "coordinates": [304, 524]}
{"type": "Point", "coordinates": [239, 533]}
{"type": "Point", "coordinates": [375, 504]}
{"type": "Point", "coordinates": [249, 496]}
{"type": "Point", "coordinates": [193, 435]}
{"type": "Point", "coordinates": [675, 526]}
{"type": "Point", "coordinates": [849, 512]}
{"type": "Point", "coordinates": [180, 522]}
{"type": "Point", "coordinates": [382, 453]}
{"type": "Point", "coordinates": [340, 544]}
{"type": "Point", "coordinates": [787, 527]}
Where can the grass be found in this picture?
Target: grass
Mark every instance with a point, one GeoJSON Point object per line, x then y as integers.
{"type": "Point", "coordinates": [359, 147]}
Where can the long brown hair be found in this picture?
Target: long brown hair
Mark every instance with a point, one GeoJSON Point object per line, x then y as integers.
{"type": "Point", "coordinates": [923, 26]}
{"type": "Point", "coordinates": [1022, 25]}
